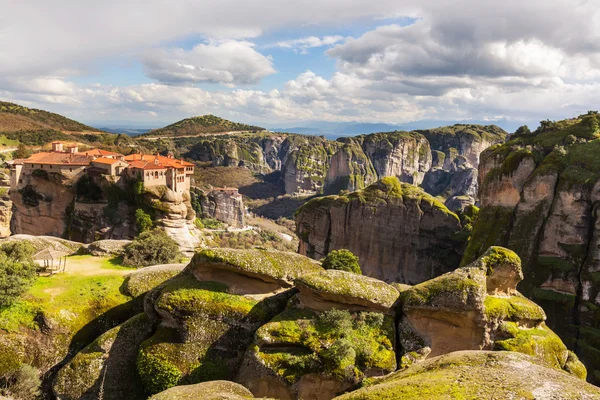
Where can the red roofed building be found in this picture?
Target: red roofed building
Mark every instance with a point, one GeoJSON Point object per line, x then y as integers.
{"type": "Point", "coordinates": [156, 170]}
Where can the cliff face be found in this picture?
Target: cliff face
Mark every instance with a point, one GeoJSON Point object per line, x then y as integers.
{"type": "Point", "coordinates": [225, 205]}
{"type": "Point", "coordinates": [90, 210]}
{"type": "Point", "coordinates": [539, 196]}
{"type": "Point", "coordinates": [312, 165]}
{"type": "Point", "coordinates": [399, 232]}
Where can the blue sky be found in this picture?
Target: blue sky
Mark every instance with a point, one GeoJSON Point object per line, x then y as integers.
{"type": "Point", "coordinates": [282, 64]}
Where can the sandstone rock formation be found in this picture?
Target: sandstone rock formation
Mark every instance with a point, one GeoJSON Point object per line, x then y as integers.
{"type": "Point", "coordinates": [314, 350]}
{"type": "Point", "coordinates": [208, 314]}
{"type": "Point", "coordinates": [400, 233]}
{"type": "Point", "coordinates": [225, 205]}
{"type": "Point", "coordinates": [477, 375]}
{"type": "Point", "coordinates": [312, 165]}
{"type": "Point", "coordinates": [285, 328]}
{"type": "Point", "coordinates": [477, 307]}
{"type": "Point", "coordinates": [174, 214]}
{"type": "Point", "coordinates": [5, 212]}
{"type": "Point", "coordinates": [214, 390]}
{"type": "Point", "coordinates": [539, 194]}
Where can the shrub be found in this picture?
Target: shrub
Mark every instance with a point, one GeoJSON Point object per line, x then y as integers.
{"type": "Point", "coordinates": [23, 384]}
{"type": "Point", "coordinates": [151, 248]}
{"type": "Point", "coordinates": [15, 278]}
{"type": "Point", "coordinates": [143, 220]}
{"type": "Point", "coordinates": [198, 223]}
{"type": "Point", "coordinates": [22, 152]}
{"type": "Point", "coordinates": [40, 173]}
{"type": "Point", "coordinates": [211, 223]}
{"type": "Point", "coordinates": [19, 250]}
{"type": "Point", "coordinates": [334, 323]}
{"type": "Point", "coordinates": [342, 260]}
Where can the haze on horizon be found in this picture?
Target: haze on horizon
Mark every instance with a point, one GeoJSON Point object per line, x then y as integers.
{"type": "Point", "coordinates": [271, 63]}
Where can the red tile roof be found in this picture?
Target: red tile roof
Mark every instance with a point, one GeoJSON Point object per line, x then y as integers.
{"type": "Point", "coordinates": [109, 161]}
{"type": "Point", "coordinates": [58, 159]}
{"type": "Point", "coordinates": [99, 153]}
{"type": "Point", "coordinates": [145, 165]}
{"type": "Point", "coordinates": [166, 161]}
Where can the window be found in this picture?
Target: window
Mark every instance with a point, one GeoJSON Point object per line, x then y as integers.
{"type": "Point", "coordinates": [20, 180]}
{"type": "Point", "coordinates": [70, 169]}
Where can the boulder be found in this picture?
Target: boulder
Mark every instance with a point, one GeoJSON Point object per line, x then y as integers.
{"type": "Point", "coordinates": [107, 367]}
{"type": "Point", "coordinates": [341, 289]}
{"type": "Point", "coordinates": [215, 390]}
{"type": "Point", "coordinates": [47, 242]}
{"type": "Point", "coordinates": [141, 281]}
{"type": "Point", "coordinates": [477, 375]}
{"type": "Point", "coordinates": [207, 315]}
{"type": "Point", "coordinates": [477, 307]}
{"type": "Point", "coordinates": [103, 248]}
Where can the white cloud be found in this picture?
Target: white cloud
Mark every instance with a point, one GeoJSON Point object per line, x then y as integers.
{"type": "Point", "coordinates": [229, 62]}
{"type": "Point", "coordinates": [302, 45]}
{"type": "Point", "coordinates": [469, 59]}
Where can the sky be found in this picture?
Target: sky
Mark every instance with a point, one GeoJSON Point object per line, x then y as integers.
{"type": "Point", "coordinates": [149, 63]}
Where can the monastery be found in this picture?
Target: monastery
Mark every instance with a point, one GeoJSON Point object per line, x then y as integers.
{"type": "Point", "coordinates": [154, 170]}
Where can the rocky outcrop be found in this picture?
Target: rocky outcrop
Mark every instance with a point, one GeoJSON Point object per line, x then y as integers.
{"type": "Point", "coordinates": [335, 333]}
{"type": "Point", "coordinates": [214, 390]}
{"type": "Point", "coordinates": [400, 233]}
{"type": "Point", "coordinates": [223, 204]}
{"type": "Point", "coordinates": [285, 328]}
{"type": "Point", "coordinates": [539, 197]}
{"type": "Point", "coordinates": [404, 155]}
{"type": "Point", "coordinates": [477, 375]}
{"type": "Point", "coordinates": [40, 243]}
{"type": "Point", "coordinates": [5, 212]}
{"type": "Point", "coordinates": [41, 206]}
{"type": "Point", "coordinates": [349, 169]}
{"type": "Point", "coordinates": [208, 314]}
{"type": "Point", "coordinates": [312, 165]}
{"type": "Point", "coordinates": [175, 215]}
{"type": "Point", "coordinates": [477, 307]}
{"type": "Point", "coordinates": [104, 248]}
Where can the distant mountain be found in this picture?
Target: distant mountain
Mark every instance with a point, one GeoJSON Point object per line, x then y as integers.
{"type": "Point", "coordinates": [16, 118]}
{"type": "Point", "coordinates": [126, 130]}
{"type": "Point", "coordinates": [205, 124]}
{"type": "Point", "coordinates": [333, 130]}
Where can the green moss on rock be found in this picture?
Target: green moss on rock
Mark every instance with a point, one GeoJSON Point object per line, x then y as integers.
{"type": "Point", "coordinates": [215, 390]}
{"type": "Point", "coordinates": [513, 308]}
{"type": "Point", "coordinates": [476, 375]}
{"type": "Point", "coordinates": [349, 285]}
{"type": "Point", "coordinates": [144, 279]}
{"type": "Point", "coordinates": [271, 265]}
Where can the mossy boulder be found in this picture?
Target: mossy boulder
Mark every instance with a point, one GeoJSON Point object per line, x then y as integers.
{"type": "Point", "coordinates": [477, 375]}
{"type": "Point", "coordinates": [215, 390]}
{"type": "Point", "coordinates": [332, 288]}
{"type": "Point", "coordinates": [108, 247]}
{"type": "Point", "coordinates": [106, 366]}
{"type": "Point", "coordinates": [274, 267]}
{"type": "Point", "coordinates": [144, 279]}
{"type": "Point", "coordinates": [478, 307]}
{"type": "Point", "coordinates": [204, 328]}
{"type": "Point", "coordinates": [303, 353]}
{"type": "Point", "coordinates": [47, 242]}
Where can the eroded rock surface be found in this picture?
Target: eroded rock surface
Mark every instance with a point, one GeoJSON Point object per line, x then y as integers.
{"type": "Point", "coordinates": [400, 233]}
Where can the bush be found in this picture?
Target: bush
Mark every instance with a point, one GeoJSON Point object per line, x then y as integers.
{"type": "Point", "coordinates": [143, 220]}
{"type": "Point", "coordinates": [19, 250]}
{"type": "Point", "coordinates": [334, 323]}
{"type": "Point", "coordinates": [342, 260]}
{"type": "Point", "coordinates": [198, 223]}
{"type": "Point", "coordinates": [15, 278]}
{"type": "Point", "coordinates": [152, 248]}
{"type": "Point", "coordinates": [23, 384]}
{"type": "Point", "coordinates": [22, 152]}
{"type": "Point", "coordinates": [211, 223]}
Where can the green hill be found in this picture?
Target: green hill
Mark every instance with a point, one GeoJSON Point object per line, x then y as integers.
{"type": "Point", "coordinates": [205, 124]}
{"type": "Point", "coordinates": [14, 118]}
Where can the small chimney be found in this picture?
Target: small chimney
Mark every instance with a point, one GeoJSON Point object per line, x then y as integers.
{"type": "Point", "coordinates": [73, 149]}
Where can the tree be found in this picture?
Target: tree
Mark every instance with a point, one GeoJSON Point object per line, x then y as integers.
{"type": "Point", "coordinates": [22, 152]}
{"type": "Point", "coordinates": [523, 131]}
{"type": "Point", "coordinates": [143, 220]}
{"type": "Point", "coordinates": [152, 248]}
{"type": "Point", "coordinates": [342, 260]}
{"type": "Point", "coordinates": [15, 278]}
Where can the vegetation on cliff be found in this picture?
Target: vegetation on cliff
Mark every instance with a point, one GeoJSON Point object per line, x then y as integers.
{"type": "Point", "coordinates": [342, 260]}
{"type": "Point", "coordinates": [152, 248]}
